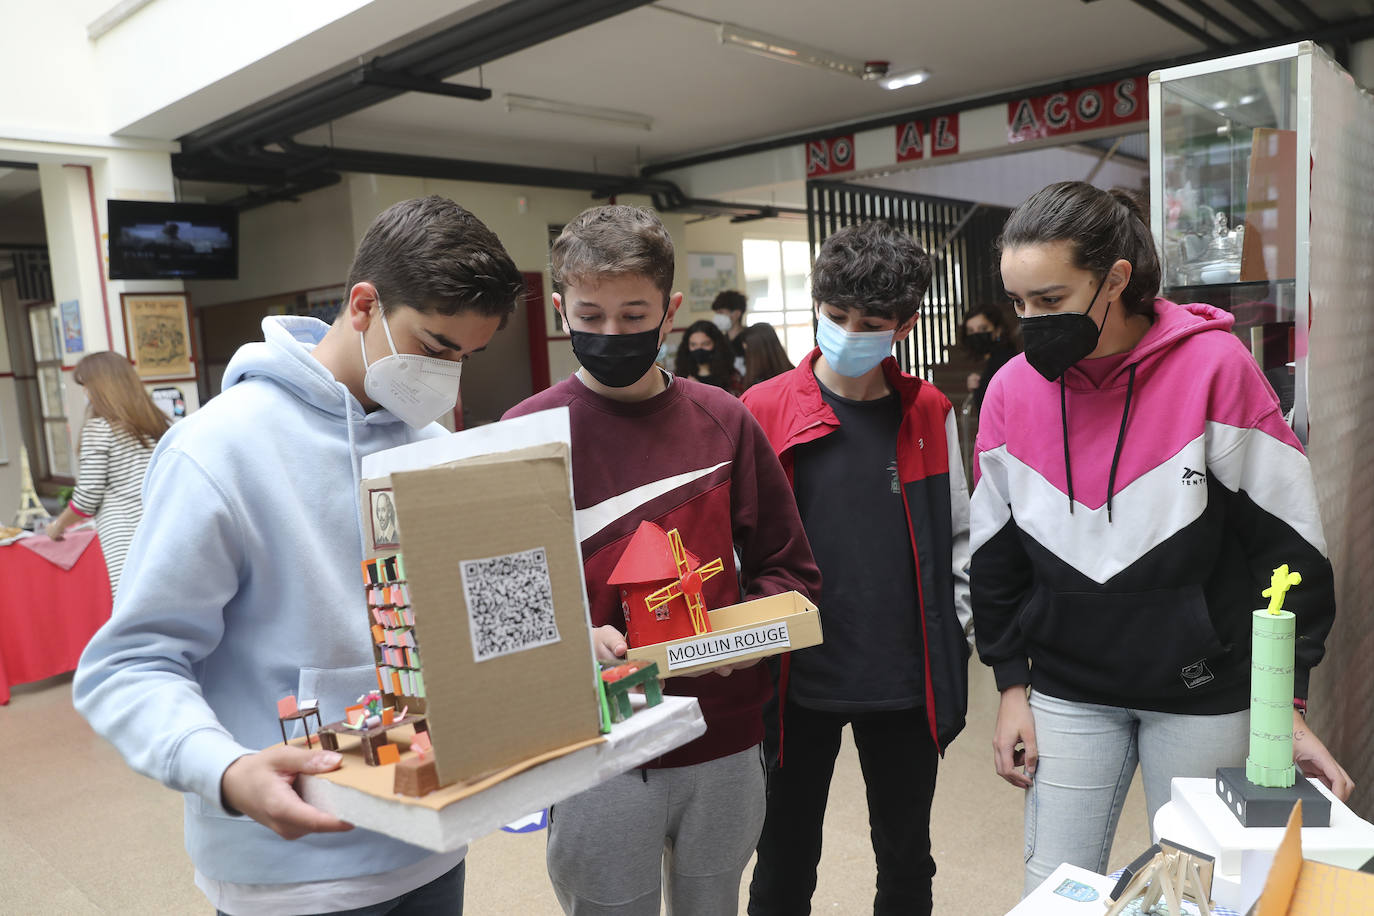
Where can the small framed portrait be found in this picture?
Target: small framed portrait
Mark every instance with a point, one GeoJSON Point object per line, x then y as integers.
{"type": "Point", "coordinates": [384, 530]}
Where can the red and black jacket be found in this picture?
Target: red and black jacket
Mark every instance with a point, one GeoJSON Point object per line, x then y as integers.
{"type": "Point", "coordinates": [792, 412]}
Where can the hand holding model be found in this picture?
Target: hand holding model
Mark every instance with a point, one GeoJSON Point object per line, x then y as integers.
{"type": "Point", "coordinates": [611, 646]}
{"type": "Point", "coordinates": [1015, 726]}
{"type": "Point", "coordinates": [262, 786]}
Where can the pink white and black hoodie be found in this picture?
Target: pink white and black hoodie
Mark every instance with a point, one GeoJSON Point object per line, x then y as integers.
{"type": "Point", "coordinates": [1122, 532]}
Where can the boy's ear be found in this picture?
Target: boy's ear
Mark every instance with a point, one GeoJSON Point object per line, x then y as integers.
{"type": "Point", "coordinates": [362, 305]}
{"type": "Point", "coordinates": [905, 328]}
{"type": "Point", "coordinates": [674, 303]}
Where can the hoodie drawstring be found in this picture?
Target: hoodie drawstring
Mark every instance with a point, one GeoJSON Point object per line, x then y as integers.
{"type": "Point", "coordinates": [354, 462]}
{"type": "Point", "coordinates": [1064, 421]}
{"type": "Point", "coordinates": [1120, 440]}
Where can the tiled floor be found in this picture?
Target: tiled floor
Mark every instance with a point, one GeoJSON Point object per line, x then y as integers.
{"type": "Point", "coordinates": [81, 833]}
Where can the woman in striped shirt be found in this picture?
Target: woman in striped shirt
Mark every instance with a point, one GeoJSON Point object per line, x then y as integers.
{"type": "Point", "coordinates": [122, 426]}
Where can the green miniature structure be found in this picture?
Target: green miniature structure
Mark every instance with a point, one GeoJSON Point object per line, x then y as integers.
{"type": "Point", "coordinates": [614, 683]}
{"type": "Point", "coordinates": [1270, 762]}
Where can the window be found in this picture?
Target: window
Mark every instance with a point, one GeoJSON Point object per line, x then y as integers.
{"type": "Point", "coordinates": [55, 435]}
{"type": "Point", "coordinates": [777, 282]}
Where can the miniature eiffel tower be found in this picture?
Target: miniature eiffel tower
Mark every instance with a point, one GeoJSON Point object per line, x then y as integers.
{"type": "Point", "coordinates": [30, 508]}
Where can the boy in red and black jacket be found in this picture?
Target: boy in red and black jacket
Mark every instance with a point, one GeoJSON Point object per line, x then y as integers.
{"type": "Point", "coordinates": [648, 446]}
{"type": "Point", "coordinates": [874, 460]}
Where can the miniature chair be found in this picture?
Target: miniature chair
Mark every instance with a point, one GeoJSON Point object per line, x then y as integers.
{"type": "Point", "coordinates": [287, 711]}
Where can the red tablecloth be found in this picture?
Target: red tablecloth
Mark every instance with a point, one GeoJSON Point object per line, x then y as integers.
{"type": "Point", "coordinates": [47, 615]}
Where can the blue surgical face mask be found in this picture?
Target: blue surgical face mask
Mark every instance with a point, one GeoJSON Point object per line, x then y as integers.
{"type": "Point", "coordinates": [851, 353]}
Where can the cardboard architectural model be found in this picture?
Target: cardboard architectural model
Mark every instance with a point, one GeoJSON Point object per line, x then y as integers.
{"type": "Point", "coordinates": [482, 626]}
{"type": "Point", "coordinates": [1299, 887]}
{"type": "Point", "coordinates": [660, 587]}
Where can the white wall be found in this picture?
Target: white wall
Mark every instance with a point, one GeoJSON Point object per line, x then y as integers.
{"type": "Point", "coordinates": [287, 247]}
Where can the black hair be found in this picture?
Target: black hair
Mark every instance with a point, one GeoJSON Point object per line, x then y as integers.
{"type": "Point", "coordinates": [1103, 227]}
{"type": "Point", "coordinates": [722, 354]}
{"type": "Point", "coordinates": [998, 316]}
{"type": "Point", "coordinates": [731, 299]}
{"type": "Point", "coordinates": [872, 267]}
{"type": "Point", "coordinates": [433, 255]}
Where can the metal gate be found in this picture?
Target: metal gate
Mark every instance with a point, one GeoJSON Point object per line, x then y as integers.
{"type": "Point", "coordinates": [958, 234]}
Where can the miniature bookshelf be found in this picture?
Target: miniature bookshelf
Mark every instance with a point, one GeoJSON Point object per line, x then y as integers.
{"type": "Point", "coordinates": [395, 646]}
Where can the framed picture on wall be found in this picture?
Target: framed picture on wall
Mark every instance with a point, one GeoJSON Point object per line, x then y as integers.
{"type": "Point", "coordinates": [323, 303]}
{"type": "Point", "coordinates": [157, 328]}
{"type": "Point", "coordinates": [707, 275]}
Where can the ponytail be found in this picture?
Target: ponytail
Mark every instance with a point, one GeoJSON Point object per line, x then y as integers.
{"type": "Point", "coordinates": [1103, 227]}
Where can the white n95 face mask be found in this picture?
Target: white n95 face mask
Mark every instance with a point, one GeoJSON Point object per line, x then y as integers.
{"type": "Point", "coordinates": [418, 389]}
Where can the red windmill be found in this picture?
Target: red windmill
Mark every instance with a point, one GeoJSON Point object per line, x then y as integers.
{"type": "Point", "coordinates": [660, 587]}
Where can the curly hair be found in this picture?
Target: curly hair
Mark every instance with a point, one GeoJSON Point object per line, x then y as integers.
{"type": "Point", "coordinates": [872, 267]}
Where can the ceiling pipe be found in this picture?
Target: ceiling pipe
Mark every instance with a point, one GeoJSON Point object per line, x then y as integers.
{"type": "Point", "coordinates": [1183, 25]}
{"type": "Point", "coordinates": [1212, 16]}
{"type": "Point", "coordinates": [1259, 16]}
{"type": "Point", "coordinates": [511, 27]}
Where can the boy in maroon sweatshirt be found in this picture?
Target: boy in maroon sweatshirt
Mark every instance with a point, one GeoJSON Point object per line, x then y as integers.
{"type": "Point", "coordinates": [648, 446]}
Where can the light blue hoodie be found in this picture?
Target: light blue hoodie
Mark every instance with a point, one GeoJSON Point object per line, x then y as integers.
{"type": "Point", "coordinates": [243, 585]}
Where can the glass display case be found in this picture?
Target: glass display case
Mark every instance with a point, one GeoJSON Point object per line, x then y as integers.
{"type": "Point", "coordinates": [1224, 181]}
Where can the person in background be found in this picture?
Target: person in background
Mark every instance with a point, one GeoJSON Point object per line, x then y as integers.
{"type": "Point", "coordinates": [122, 427]}
{"type": "Point", "coordinates": [764, 356]}
{"type": "Point", "coordinates": [729, 306]}
{"type": "Point", "coordinates": [988, 338]}
{"type": "Point", "coordinates": [705, 355]}
{"type": "Point", "coordinates": [1134, 486]}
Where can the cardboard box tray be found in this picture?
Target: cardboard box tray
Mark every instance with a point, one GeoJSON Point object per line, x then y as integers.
{"type": "Point", "coordinates": [740, 632]}
{"type": "Point", "coordinates": [455, 815]}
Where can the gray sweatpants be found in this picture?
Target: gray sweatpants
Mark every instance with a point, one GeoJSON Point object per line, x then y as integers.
{"type": "Point", "coordinates": [687, 832]}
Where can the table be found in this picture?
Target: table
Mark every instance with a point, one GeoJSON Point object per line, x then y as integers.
{"type": "Point", "coordinates": [1196, 817]}
{"type": "Point", "coordinates": [372, 737]}
{"type": "Point", "coordinates": [1074, 891]}
{"type": "Point", "coordinates": [47, 614]}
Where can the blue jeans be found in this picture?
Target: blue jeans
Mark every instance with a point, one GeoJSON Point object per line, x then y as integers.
{"type": "Point", "coordinates": [441, 897]}
{"type": "Point", "coordinates": [1088, 755]}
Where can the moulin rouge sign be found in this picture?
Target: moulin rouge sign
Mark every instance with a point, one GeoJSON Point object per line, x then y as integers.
{"type": "Point", "coordinates": [1104, 105]}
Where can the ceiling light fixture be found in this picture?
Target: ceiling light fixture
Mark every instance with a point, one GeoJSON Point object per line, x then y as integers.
{"type": "Point", "coordinates": [553, 106]}
{"type": "Point", "coordinates": [905, 78]}
{"type": "Point", "coordinates": [794, 52]}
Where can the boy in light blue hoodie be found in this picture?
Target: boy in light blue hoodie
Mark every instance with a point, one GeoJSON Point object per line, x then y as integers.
{"type": "Point", "coordinates": [241, 585]}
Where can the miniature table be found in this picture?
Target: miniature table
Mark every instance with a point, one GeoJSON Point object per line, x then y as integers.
{"type": "Point", "coordinates": [49, 614]}
{"type": "Point", "coordinates": [372, 738]}
{"type": "Point", "coordinates": [1196, 817]}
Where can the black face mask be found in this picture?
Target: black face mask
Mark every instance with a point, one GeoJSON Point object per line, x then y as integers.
{"type": "Point", "coordinates": [616, 360]}
{"type": "Point", "coordinates": [701, 357]}
{"type": "Point", "coordinates": [1056, 341]}
{"type": "Point", "coordinates": [979, 343]}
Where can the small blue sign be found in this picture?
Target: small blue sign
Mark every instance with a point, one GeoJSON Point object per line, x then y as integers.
{"type": "Point", "coordinates": [71, 327]}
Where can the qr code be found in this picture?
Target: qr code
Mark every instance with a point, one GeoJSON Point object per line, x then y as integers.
{"type": "Point", "coordinates": [510, 603]}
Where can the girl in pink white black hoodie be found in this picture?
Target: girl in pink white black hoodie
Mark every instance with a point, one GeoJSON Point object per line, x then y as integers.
{"type": "Point", "coordinates": [1135, 484]}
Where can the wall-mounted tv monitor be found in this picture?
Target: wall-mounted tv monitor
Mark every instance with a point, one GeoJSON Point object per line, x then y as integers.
{"type": "Point", "coordinates": [158, 241]}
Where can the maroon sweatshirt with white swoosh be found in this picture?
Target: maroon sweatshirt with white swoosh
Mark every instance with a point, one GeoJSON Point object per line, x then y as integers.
{"type": "Point", "coordinates": [694, 459]}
